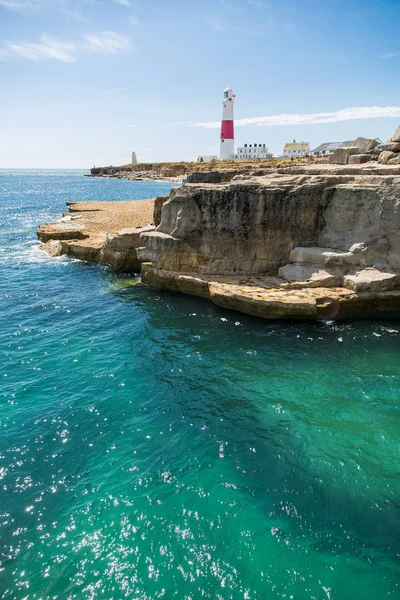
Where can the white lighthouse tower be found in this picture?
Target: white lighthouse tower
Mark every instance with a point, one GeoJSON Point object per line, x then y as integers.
{"type": "Point", "coordinates": [227, 150]}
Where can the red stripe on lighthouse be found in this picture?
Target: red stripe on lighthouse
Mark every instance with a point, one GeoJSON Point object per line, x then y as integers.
{"type": "Point", "coordinates": [227, 130]}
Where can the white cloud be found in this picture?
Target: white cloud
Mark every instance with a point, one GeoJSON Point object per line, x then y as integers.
{"type": "Point", "coordinates": [47, 47]}
{"type": "Point", "coordinates": [346, 114]}
{"type": "Point", "coordinates": [123, 2]}
{"type": "Point", "coordinates": [105, 42]}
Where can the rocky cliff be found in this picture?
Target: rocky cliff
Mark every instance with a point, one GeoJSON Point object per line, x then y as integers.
{"type": "Point", "coordinates": [304, 241]}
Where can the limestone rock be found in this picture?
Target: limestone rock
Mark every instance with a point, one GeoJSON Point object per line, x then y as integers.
{"type": "Point", "coordinates": [372, 280]}
{"type": "Point", "coordinates": [88, 251]}
{"type": "Point", "coordinates": [268, 304]}
{"type": "Point", "coordinates": [312, 276]}
{"type": "Point", "coordinates": [179, 282]}
{"type": "Point", "coordinates": [395, 160]}
{"type": "Point", "coordinates": [52, 248]}
{"type": "Point", "coordinates": [222, 176]}
{"type": "Point", "coordinates": [359, 159]}
{"type": "Point", "coordinates": [119, 250]}
{"type": "Point", "coordinates": [82, 232]}
{"type": "Point", "coordinates": [158, 204]}
{"type": "Point", "coordinates": [365, 144]}
{"type": "Point", "coordinates": [385, 156]}
{"type": "Point", "coordinates": [391, 146]}
{"type": "Point", "coordinates": [61, 230]}
{"type": "Point", "coordinates": [341, 155]}
{"type": "Point", "coordinates": [324, 257]}
{"type": "Point", "coordinates": [396, 137]}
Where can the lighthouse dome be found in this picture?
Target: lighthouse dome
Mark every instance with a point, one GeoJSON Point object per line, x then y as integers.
{"type": "Point", "coordinates": [228, 94]}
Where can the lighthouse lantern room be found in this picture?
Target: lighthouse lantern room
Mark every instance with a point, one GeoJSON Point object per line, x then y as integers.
{"type": "Point", "coordinates": [227, 150]}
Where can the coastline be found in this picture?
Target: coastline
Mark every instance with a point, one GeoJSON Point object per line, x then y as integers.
{"type": "Point", "coordinates": [300, 242]}
{"type": "Point", "coordinates": [142, 177]}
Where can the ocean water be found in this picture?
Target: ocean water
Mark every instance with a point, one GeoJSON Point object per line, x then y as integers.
{"type": "Point", "coordinates": [155, 446]}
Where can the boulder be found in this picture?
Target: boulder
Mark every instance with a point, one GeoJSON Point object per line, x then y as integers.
{"type": "Point", "coordinates": [341, 155]}
{"type": "Point", "coordinates": [385, 156]}
{"type": "Point", "coordinates": [323, 257]}
{"type": "Point", "coordinates": [53, 248]}
{"type": "Point", "coordinates": [372, 280]}
{"type": "Point", "coordinates": [395, 160]}
{"type": "Point", "coordinates": [359, 159]}
{"type": "Point", "coordinates": [312, 276]}
{"type": "Point", "coordinates": [396, 137]}
{"type": "Point", "coordinates": [365, 144]}
{"type": "Point", "coordinates": [390, 145]}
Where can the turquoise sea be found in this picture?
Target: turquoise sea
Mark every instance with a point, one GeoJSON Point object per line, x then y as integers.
{"type": "Point", "coordinates": [155, 446]}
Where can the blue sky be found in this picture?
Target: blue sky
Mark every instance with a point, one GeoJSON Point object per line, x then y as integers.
{"type": "Point", "coordinates": [85, 82]}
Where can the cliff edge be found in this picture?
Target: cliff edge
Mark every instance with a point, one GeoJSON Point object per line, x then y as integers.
{"type": "Point", "coordinates": [315, 242]}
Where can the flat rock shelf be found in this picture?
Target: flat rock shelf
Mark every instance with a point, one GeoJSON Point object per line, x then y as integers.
{"type": "Point", "coordinates": [103, 232]}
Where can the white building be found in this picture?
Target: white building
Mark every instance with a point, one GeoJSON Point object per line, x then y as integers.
{"type": "Point", "coordinates": [255, 151]}
{"type": "Point", "coordinates": [207, 159]}
{"type": "Point", "coordinates": [296, 149]}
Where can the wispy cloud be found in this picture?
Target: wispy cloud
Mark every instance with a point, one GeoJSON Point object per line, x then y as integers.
{"type": "Point", "coordinates": [45, 48]}
{"type": "Point", "coordinates": [390, 55]}
{"type": "Point", "coordinates": [123, 2]}
{"type": "Point", "coordinates": [106, 42]}
{"type": "Point", "coordinates": [346, 114]}
{"type": "Point", "coordinates": [44, 6]}
{"type": "Point", "coordinates": [50, 48]}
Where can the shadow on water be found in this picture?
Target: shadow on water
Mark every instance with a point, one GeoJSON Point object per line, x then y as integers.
{"type": "Point", "coordinates": [295, 407]}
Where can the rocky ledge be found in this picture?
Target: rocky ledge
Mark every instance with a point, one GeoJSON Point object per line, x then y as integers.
{"type": "Point", "coordinates": [102, 232]}
{"type": "Point", "coordinates": [301, 242]}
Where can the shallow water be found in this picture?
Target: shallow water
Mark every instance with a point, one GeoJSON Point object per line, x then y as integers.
{"type": "Point", "coordinates": [155, 446]}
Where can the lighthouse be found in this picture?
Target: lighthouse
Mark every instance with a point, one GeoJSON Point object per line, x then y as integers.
{"type": "Point", "coordinates": [227, 150]}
